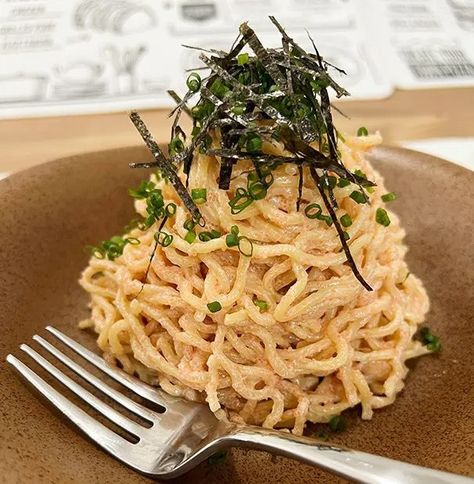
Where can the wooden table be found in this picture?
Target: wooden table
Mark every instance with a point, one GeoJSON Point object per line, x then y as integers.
{"type": "Point", "coordinates": [406, 115]}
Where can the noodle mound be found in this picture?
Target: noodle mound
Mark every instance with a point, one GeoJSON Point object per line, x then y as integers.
{"type": "Point", "coordinates": [323, 344]}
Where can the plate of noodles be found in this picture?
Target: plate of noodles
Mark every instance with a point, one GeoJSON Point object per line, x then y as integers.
{"type": "Point", "coordinates": [285, 274]}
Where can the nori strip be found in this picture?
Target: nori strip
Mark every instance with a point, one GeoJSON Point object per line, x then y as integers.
{"type": "Point", "coordinates": [300, 187]}
{"type": "Point", "coordinates": [340, 231]}
{"type": "Point", "coordinates": [287, 87]}
{"type": "Point", "coordinates": [165, 166]}
{"type": "Point", "coordinates": [254, 43]}
{"type": "Point", "coordinates": [177, 99]}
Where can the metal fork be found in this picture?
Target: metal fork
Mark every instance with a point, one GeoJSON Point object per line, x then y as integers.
{"type": "Point", "coordinates": [186, 433]}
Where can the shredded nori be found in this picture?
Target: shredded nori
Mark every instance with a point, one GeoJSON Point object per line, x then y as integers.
{"type": "Point", "coordinates": [165, 166]}
{"type": "Point", "coordinates": [275, 95]}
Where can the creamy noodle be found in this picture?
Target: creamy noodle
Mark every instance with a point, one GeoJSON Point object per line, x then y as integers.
{"type": "Point", "coordinates": [323, 345]}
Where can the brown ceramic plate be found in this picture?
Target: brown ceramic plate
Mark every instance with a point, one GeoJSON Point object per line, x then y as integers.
{"type": "Point", "coordinates": [50, 212]}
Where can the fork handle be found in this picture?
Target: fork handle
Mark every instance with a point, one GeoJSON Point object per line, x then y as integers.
{"type": "Point", "coordinates": [350, 464]}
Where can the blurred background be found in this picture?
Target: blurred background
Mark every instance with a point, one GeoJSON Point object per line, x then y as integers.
{"type": "Point", "coordinates": [70, 70]}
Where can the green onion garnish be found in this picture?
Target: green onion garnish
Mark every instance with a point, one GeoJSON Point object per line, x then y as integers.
{"type": "Point", "coordinates": [176, 145]}
{"type": "Point", "coordinates": [163, 239]}
{"type": "Point", "coordinates": [261, 304]}
{"type": "Point", "coordinates": [112, 248]}
{"type": "Point", "coordinates": [238, 108]}
{"type": "Point", "coordinates": [346, 220]}
{"type": "Point", "coordinates": [143, 190]}
{"type": "Point", "coordinates": [253, 143]}
{"type": "Point", "coordinates": [362, 131]}
{"type": "Point", "coordinates": [346, 235]}
{"type": "Point", "coordinates": [342, 182]}
{"type": "Point", "coordinates": [257, 190]}
{"type": "Point", "coordinates": [194, 82]}
{"type": "Point", "coordinates": [358, 196]}
{"type": "Point", "coordinates": [360, 173]}
{"type": "Point", "coordinates": [207, 236]}
{"type": "Point", "coordinates": [190, 237]}
{"type": "Point", "coordinates": [245, 246]}
{"type": "Point", "coordinates": [219, 89]}
{"type": "Point", "coordinates": [337, 423]}
{"type": "Point", "coordinates": [313, 210]}
{"type": "Point", "coordinates": [389, 197]}
{"type": "Point", "coordinates": [242, 59]}
{"type": "Point", "coordinates": [432, 342]}
{"type": "Point", "coordinates": [241, 201]}
{"type": "Point", "coordinates": [214, 306]}
{"type": "Point", "coordinates": [232, 239]}
{"type": "Point", "coordinates": [170, 209]}
{"type": "Point", "coordinates": [199, 195]}
{"type": "Point", "coordinates": [382, 218]}
{"type": "Point", "coordinates": [370, 189]}
{"type": "Point", "coordinates": [189, 224]}
{"type": "Point", "coordinates": [326, 218]}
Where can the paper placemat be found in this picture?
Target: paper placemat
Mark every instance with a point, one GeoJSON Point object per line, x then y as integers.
{"type": "Point", "coordinates": [84, 56]}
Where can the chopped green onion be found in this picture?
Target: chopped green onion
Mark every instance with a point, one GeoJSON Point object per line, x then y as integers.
{"type": "Point", "coordinates": [189, 224]}
{"type": "Point", "coordinates": [190, 237]}
{"type": "Point", "coordinates": [176, 145]}
{"type": "Point", "coordinates": [199, 195]}
{"type": "Point", "coordinates": [207, 236]}
{"type": "Point", "coordinates": [389, 197]}
{"type": "Point", "coordinates": [360, 173]}
{"type": "Point", "coordinates": [382, 218]}
{"type": "Point", "coordinates": [242, 59]}
{"type": "Point", "coordinates": [170, 209]}
{"type": "Point", "coordinates": [214, 306]}
{"type": "Point", "coordinates": [245, 246]}
{"type": "Point", "coordinates": [198, 114]}
{"type": "Point", "coordinates": [362, 131]}
{"type": "Point", "coordinates": [370, 189]}
{"type": "Point", "coordinates": [346, 220]}
{"type": "Point", "coordinates": [143, 190]}
{"type": "Point", "coordinates": [241, 201]}
{"type": "Point", "coordinates": [257, 190]}
{"type": "Point", "coordinates": [219, 89]}
{"type": "Point", "coordinates": [163, 238]}
{"type": "Point", "coordinates": [238, 108]}
{"type": "Point", "coordinates": [313, 210]}
{"type": "Point", "coordinates": [342, 182]}
{"type": "Point", "coordinates": [194, 82]}
{"type": "Point", "coordinates": [346, 235]}
{"type": "Point", "coordinates": [432, 342]}
{"type": "Point", "coordinates": [337, 423]}
{"type": "Point", "coordinates": [325, 218]}
{"type": "Point", "coordinates": [261, 304]}
{"type": "Point", "coordinates": [112, 248]}
{"type": "Point", "coordinates": [319, 83]}
{"type": "Point", "coordinates": [253, 143]}
{"type": "Point", "coordinates": [232, 240]}
{"type": "Point", "coordinates": [146, 223]}
{"type": "Point", "coordinates": [358, 196]}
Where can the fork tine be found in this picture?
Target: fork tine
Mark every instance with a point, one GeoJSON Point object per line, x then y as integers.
{"type": "Point", "coordinates": [105, 437]}
{"type": "Point", "coordinates": [88, 397]}
{"type": "Point", "coordinates": [154, 395]}
{"type": "Point", "coordinates": [126, 402]}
